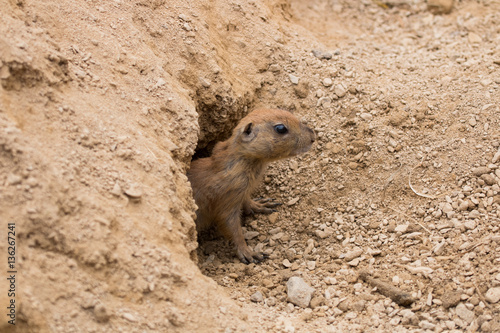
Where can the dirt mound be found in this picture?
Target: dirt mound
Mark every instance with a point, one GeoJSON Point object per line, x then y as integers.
{"type": "Point", "coordinates": [99, 122]}
{"type": "Point", "coordinates": [103, 104]}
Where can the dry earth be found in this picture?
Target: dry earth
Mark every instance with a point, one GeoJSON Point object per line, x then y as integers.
{"type": "Point", "coordinates": [102, 105]}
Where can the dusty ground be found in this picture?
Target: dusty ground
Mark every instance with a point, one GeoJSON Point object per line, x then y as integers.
{"type": "Point", "coordinates": [100, 112]}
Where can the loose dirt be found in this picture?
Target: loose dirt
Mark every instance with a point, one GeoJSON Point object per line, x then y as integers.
{"type": "Point", "coordinates": [103, 105]}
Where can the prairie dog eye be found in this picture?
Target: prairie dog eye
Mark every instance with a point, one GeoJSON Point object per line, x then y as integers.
{"type": "Point", "coordinates": [281, 129]}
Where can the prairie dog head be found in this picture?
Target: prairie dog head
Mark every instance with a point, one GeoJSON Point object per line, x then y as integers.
{"type": "Point", "coordinates": [272, 134]}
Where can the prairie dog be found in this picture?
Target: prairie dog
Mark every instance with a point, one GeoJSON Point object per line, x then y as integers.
{"type": "Point", "coordinates": [223, 183]}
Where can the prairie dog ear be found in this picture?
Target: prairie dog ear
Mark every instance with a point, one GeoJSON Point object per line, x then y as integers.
{"type": "Point", "coordinates": [249, 133]}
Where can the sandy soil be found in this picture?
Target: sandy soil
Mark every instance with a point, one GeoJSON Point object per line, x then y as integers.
{"type": "Point", "coordinates": [103, 104]}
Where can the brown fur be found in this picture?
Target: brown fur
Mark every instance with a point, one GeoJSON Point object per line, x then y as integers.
{"type": "Point", "coordinates": [223, 183]}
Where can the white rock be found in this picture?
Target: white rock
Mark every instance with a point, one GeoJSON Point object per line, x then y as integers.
{"type": "Point", "coordinates": [493, 295]}
{"type": "Point", "coordinates": [474, 38]}
{"type": "Point", "coordinates": [467, 188]}
{"type": "Point", "coordinates": [354, 262]}
{"type": "Point", "coordinates": [486, 82]}
{"type": "Point", "coordinates": [424, 324]}
{"type": "Point", "coordinates": [204, 82]}
{"type": "Point", "coordinates": [351, 315]}
{"type": "Point", "coordinates": [340, 90]}
{"type": "Point", "coordinates": [327, 82]}
{"type": "Point", "coordinates": [450, 324]}
{"type": "Point", "coordinates": [401, 228]}
{"type": "Point", "coordinates": [447, 208]}
{"type": "Point", "coordinates": [474, 214]}
{"type": "Point", "coordinates": [409, 317]}
{"type": "Point", "coordinates": [129, 317]}
{"type": "Point", "coordinates": [464, 206]}
{"type": "Point", "coordinates": [257, 297]}
{"type": "Point", "coordinates": [13, 179]}
{"type": "Point", "coordinates": [322, 234]}
{"type": "Point", "coordinates": [366, 116]}
{"type": "Point", "coordinates": [353, 254]}
{"type": "Point", "coordinates": [439, 248]}
{"type": "Point", "coordinates": [464, 313]}
{"type": "Point", "coordinates": [469, 225]}
{"type": "Point", "coordinates": [294, 79]}
{"type": "Point", "coordinates": [299, 292]}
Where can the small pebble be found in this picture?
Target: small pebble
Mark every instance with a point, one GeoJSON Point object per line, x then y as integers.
{"type": "Point", "coordinates": [322, 55]}
{"type": "Point", "coordinates": [366, 116]}
{"type": "Point", "coordinates": [354, 263]}
{"type": "Point", "coordinates": [464, 206]}
{"type": "Point", "coordinates": [401, 228]}
{"type": "Point", "coordinates": [493, 295]}
{"type": "Point", "coordinates": [275, 68]}
{"type": "Point", "coordinates": [129, 317]}
{"type": "Point", "coordinates": [32, 181]}
{"type": "Point", "coordinates": [424, 324]}
{"type": "Point", "coordinates": [353, 254]}
{"type": "Point", "coordinates": [351, 315]}
{"type": "Point", "coordinates": [117, 190]}
{"type": "Point", "coordinates": [470, 225]}
{"type": "Point", "coordinates": [13, 179]}
{"type": "Point", "coordinates": [489, 179]}
{"type": "Point", "coordinates": [251, 234]}
{"type": "Point", "coordinates": [340, 91]}
{"type": "Point", "coordinates": [447, 208]}
{"type": "Point", "coordinates": [327, 82]}
{"type": "Point", "coordinates": [257, 297]}
{"type": "Point", "coordinates": [464, 313]}
{"type": "Point", "coordinates": [299, 292]}
{"type": "Point", "coordinates": [327, 55]}
{"type": "Point", "coordinates": [294, 79]}
{"type": "Point", "coordinates": [311, 265]}
{"type": "Point", "coordinates": [486, 82]}
{"type": "Point", "coordinates": [496, 157]}
{"type": "Point", "coordinates": [474, 214]}
{"type": "Point", "coordinates": [467, 188]}
{"type": "Point", "coordinates": [204, 82]}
